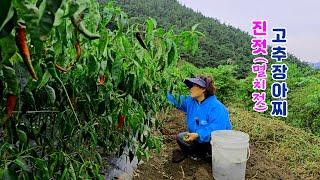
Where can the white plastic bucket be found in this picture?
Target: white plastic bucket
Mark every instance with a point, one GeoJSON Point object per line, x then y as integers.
{"type": "Point", "coordinates": [230, 152]}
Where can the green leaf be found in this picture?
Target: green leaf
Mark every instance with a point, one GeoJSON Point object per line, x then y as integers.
{"type": "Point", "coordinates": [147, 155]}
{"type": "Point", "coordinates": [22, 136]}
{"type": "Point", "coordinates": [22, 164]}
{"type": "Point", "coordinates": [116, 71]}
{"type": "Point", "coordinates": [65, 173]}
{"type": "Point", "coordinates": [159, 50]}
{"type": "Point", "coordinates": [93, 65]}
{"type": "Point", "coordinates": [72, 172]}
{"type": "Point", "coordinates": [42, 7]}
{"type": "Point", "coordinates": [29, 98]}
{"type": "Point", "coordinates": [6, 12]}
{"type": "Point", "coordinates": [45, 78]}
{"type": "Point", "coordinates": [140, 54]}
{"type": "Point", "coordinates": [98, 157]}
{"type": "Point", "coordinates": [9, 23]}
{"type": "Point", "coordinates": [11, 79]}
{"type": "Point", "coordinates": [126, 44]}
{"type": "Point", "coordinates": [193, 28]}
{"type": "Point", "coordinates": [173, 55]}
{"type": "Point", "coordinates": [48, 15]}
{"type": "Point", "coordinates": [7, 174]}
{"type": "Point", "coordinates": [59, 17]}
{"type": "Point", "coordinates": [101, 107]}
{"type": "Point", "coordinates": [51, 94]}
{"type": "Point", "coordinates": [135, 83]}
{"type": "Point", "coordinates": [194, 47]}
{"type": "Point", "coordinates": [29, 13]}
{"type": "Point", "coordinates": [103, 65]}
{"type": "Point", "coordinates": [150, 26]}
{"type": "Point", "coordinates": [93, 137]}
{"type": "Point", "coordinates": [8, 46]}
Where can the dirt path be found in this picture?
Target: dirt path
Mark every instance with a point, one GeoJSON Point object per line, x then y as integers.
{"type": "Point", "coordinates": [161, 167]}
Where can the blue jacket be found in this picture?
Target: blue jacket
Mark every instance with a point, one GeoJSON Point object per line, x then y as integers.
{"type": "Point", "coordinates": [203, 118]}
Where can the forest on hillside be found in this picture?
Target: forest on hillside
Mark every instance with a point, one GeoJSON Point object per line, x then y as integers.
{"type": "Point", "coordinates": [230, 47]}
{"type": "Point", "coordinates": [222, 44]}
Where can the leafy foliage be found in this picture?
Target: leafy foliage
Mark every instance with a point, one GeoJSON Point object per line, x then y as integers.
{"type": "Point", "coordinates": [101, 81]}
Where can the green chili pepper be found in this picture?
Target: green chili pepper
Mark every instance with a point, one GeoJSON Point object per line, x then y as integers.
{"type": "Point", "coordinates": [77, 22]}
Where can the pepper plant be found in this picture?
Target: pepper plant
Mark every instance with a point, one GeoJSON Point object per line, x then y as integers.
{"type": "Point", "coordinates": [78, 82]}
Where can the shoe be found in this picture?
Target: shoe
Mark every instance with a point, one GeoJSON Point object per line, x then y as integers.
{"type": "Point", "coordinates": [178, 156]}
{"type": "Point", "coordinates": [196, 157]}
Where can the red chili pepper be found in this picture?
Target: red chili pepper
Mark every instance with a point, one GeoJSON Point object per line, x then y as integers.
{"type": "Point", "coordinates": [121, 120]}
{"type": "Point", "coordinates": [21, 42]}
{"type": "Point", "coordinates": [78, 49]}
{"type": "Point", "coordinates": [102, 79]}
{"type": "Point", "coordinates": [11, 103]}
{"type": "Point", "coordinates": [71, 65]}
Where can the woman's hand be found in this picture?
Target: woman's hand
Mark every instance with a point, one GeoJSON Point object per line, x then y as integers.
{"type": "Point", "coordinates": [172, 100]}
{"type": "Point", "coordinates": [191, 137]}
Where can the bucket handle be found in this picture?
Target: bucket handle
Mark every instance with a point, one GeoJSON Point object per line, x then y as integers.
{"type": "Point", "coordinates": [248, 156]}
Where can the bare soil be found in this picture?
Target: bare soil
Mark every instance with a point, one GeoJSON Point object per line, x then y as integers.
{"type": "Point", "coordinates": [160, 166]}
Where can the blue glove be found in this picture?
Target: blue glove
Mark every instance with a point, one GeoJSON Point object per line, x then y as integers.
{"type": "Point", "coordinates": [183, 102]}
{"type": "Point", "coordinates": [171, 99]}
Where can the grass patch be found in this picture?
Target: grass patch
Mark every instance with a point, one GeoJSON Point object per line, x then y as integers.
{"type": "Point", "coordinates": [297, 150]}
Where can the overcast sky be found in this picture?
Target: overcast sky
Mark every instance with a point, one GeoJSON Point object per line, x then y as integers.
{"type": "Point", "coordinates": [301, 18]}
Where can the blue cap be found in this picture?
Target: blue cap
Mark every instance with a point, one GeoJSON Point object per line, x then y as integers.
{"type": "Point", "coordinates": [198, 81]}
